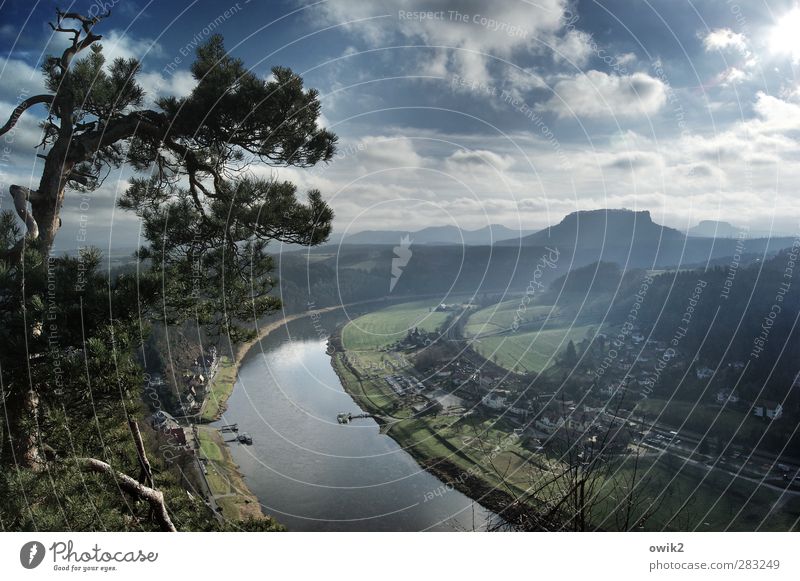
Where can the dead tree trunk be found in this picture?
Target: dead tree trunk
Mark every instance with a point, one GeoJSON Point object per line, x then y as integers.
{"type": "Point", "coordinates": [154, 497]}
{"type": "Point", "coordinates": [146, 475]}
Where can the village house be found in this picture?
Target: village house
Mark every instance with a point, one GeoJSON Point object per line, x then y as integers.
{"type": "Point", "coordinates": [727, 396]}
{"type": "Point", "coordinates": [703, 372]}
{"type": "Point", "coordinates": [768, 409]}
{"type": "Point", "coordinates": [549, 422]}
{"type": "Point", "coordinates": [495, 400]}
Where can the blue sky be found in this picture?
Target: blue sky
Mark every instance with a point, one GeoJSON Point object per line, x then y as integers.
{"type": "Point", "coordinates": [476, 112]}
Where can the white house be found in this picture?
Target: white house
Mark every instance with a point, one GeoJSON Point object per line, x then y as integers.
{"type": "Point", "coordinates": [494, 401]}
{"type": "Point", "coordinates": [768, 409]}
{"type": "Point", "coordinates": [549, 423]}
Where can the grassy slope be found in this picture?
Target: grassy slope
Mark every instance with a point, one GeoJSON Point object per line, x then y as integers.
{"type": "Point", "coordinates": [532, 351]}
{"type": "Point", "coordinates": [227, 484]}
{"type": "Point", "coordinates": [529, 348]}
{"type": "Point", "coordinates": [221, 390]}
{"type": "Point", "coordinates": [693, 494]}
{"type": "Point", "coordinates": [381, 328]}
{"type": "Point", "coordinates": [499, 317]}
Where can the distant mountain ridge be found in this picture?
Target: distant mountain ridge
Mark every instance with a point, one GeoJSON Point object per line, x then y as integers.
{"type": "Point", "coordinates": [631, 238]}
{"type": "Point", "coordinates": [593, 228]}
{"type": "Point", "coordinates": [717, 229]}
{"type": "Point", "coordinates": [714, 229]}
{"type": "Point", "coordinates": [628, 238]}
{"type": "Point", "coordinates": [449, 235]}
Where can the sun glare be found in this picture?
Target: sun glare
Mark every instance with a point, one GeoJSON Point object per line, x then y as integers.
{"type": "Point", "coordinates": [785, 35]}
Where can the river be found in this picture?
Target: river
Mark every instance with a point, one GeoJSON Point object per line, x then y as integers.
{"type": "Point", "coordinates": [313, 474]}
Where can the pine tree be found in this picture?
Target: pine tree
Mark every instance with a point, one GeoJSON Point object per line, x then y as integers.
{"type": "Point", "coordinates": [70, 332]}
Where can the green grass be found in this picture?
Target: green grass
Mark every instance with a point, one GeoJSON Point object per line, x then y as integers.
{"type": "Point", "coordinates": [709, 507]}
{"type": "Point", "coordinates": [725, 424]}
{"type": "Point", "coordinates": [221, 390]}
{"type": "Point", "coordinates": [210, 450]}
{"type": "Point", "coordinates": [531, 351]}
{"type": "Point", "coordinates": [382, 328]}
{"type": "Point", "coordinates": [498, 318]}
{"type": "Point", "coordinates": [224, 477]}
{"type": "Point", "coordinates": [690, 498]}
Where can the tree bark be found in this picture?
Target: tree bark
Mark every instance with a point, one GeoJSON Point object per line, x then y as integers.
{"type": "Point", "coordinates": [20, 445]}
{"type": "Point", "coordinates": [47, 206]}
{"type": "Point", "coordinates": [137, 489]}
{"type": "Point", "coordinates": [146, 476]}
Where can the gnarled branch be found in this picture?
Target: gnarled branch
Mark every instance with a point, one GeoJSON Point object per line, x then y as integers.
{"type": "Point", "coordinates": [22, 107]}
{"type": "Point", "coordinates": [78, 44]}
{"type": "Point", "coordinates": [137, 489]}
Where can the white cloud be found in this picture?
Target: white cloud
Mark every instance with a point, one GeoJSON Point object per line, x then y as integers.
{"type": "Point", "coordinates": [732, 76]}
{"type": "Point", "coordinates": [634, 160]}
{"type": "Point", "coordinates": [480, 158]}
{"type": "Point", "coordinates": [775, 114]}
{"type": "Point", "coordinates": [574, 48]}
{"type": "Point", "coordinates": [118, 44]}
{"type": "Point", "coordinates": [19, 80]}
{"type": "Point", "coordinates": [598, 94]}
{"type": "Point", "coordinates": [725, 38]}
{"type": "Point", "coordinates": [626, 58]}
{"type": "Point", "coordinates": [473, 31]}
{"type": "Point", "coordinates": [178, 84]}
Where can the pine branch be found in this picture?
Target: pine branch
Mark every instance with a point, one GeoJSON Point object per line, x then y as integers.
{"type": "Point", "coordinates": [22, 107]}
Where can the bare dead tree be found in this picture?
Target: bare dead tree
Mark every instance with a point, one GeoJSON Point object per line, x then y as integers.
{"type": "Point", "coordinates": [583, 477]}
{"type": "Point", "coordinates": [154, 497]}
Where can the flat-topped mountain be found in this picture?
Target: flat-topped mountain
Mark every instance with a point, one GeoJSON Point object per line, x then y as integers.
{"type": "Point", "coordinates": [596, 228]}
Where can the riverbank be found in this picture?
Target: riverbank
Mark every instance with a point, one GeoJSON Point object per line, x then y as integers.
{"type": "Point", "coordinates": [231, 476]}
{"type": "Point", "coordinates": [227, 484]}
{"type": "Point", "coordinates": [420, 438]}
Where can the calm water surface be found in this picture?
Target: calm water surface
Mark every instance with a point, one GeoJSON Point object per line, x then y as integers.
{"type": "Point", "coordinates": [313, 474]}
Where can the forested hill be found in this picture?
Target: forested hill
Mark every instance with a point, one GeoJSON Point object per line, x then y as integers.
{"type": "Point", "coordinates": [723, 315]}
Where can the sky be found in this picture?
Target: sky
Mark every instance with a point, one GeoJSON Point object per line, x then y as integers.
{"type": "Point", "coordinates": [475, 112]}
